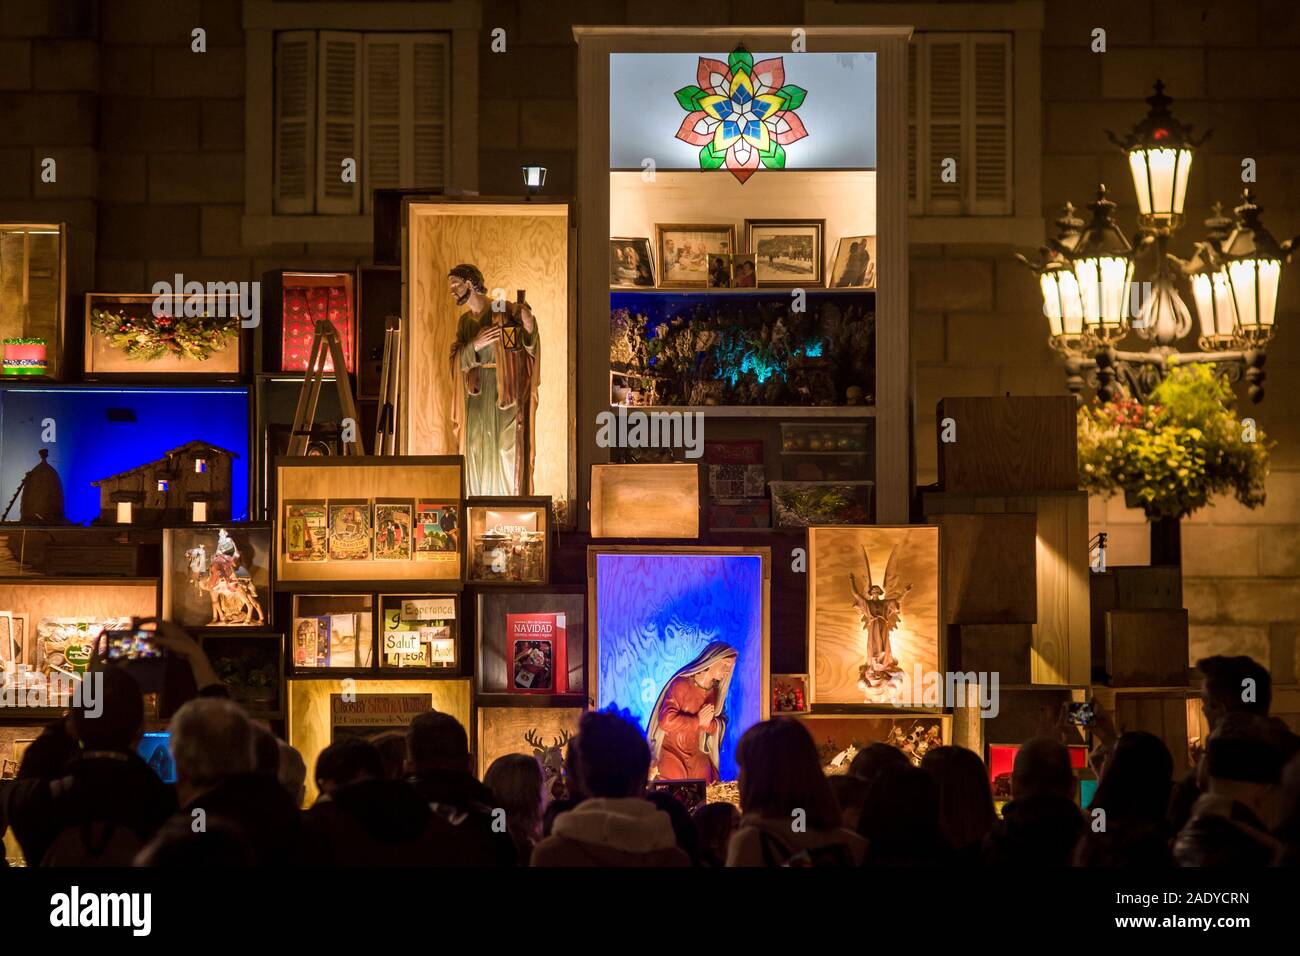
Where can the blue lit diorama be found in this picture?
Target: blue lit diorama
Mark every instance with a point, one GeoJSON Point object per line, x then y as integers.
{"type": "Point", "coordinates": [87, 434]}
{"type": "Point", "coordinates": [680, 645]}
{"type": "Point", "coordinates": [743, 348]}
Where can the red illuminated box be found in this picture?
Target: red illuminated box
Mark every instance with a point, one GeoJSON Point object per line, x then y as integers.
{"type": "Point", "coordinates": [293, 302]}
{"type": "Point", "coordinates": [733, 452]}
{"type": "Point", "coordinates": [1002, 758]}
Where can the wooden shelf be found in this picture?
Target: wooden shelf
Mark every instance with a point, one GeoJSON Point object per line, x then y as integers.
{"type": "Point", "coordinates": [763, 291]}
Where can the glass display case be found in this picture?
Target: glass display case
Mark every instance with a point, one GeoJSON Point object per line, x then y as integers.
{"type": "Point", "coordinates": [218, 576]}
{"type": "Point", "coordinates": [136, 336]}
{"type": "Point", "coordinates": [33, 292]}
{"type": "Point", "coordinates": [508, 540]}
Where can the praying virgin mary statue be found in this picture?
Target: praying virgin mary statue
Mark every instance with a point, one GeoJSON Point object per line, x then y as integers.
{"type": "Point", "coordinates": [496, 362]}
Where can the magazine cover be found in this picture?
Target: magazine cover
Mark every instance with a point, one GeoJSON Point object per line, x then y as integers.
{"type": "Point", "coordinates": [349, 529]}
{"type": "Point", "coordinates": [436, 531]}
{"type": "Point", "coordinates": [537, 647]}
{"type": "Point", "coordinates": [393, 529]}
{"type": "Point", "coordinates": [304, 530]}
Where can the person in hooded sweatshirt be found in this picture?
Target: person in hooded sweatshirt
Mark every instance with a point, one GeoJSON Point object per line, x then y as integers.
{"type": "Point", "coordinates": [614, 825]}
{"type": "Point", "coordinates": [213, 748]}
{"type": "Point", "coordinates": [361, 817]}
{"type": "Point", "coordinates": [465, 827]}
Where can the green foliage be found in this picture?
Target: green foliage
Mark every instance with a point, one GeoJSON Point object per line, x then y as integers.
{"type": "Point", "coordinates": [1172, 454]}
{"type": "Point", "coordinates": [146, 337]}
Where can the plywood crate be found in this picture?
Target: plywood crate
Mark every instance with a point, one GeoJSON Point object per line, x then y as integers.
{"type": "Point", "coordinates": [989, 568]}
{"type": "Point", "coordinates": [1129, 587]}
{"type": "Point", "coordinates": [1061, 643]}
{"type": "Point", "coordinates": [1162, 712]}
{"type": "Point", "coordinates": [1008, 445]}
{"type": "Point", "coordinates": [1146, 648]}
{"type": "Point", "coordinates": [1005, 649]}
{"type": "Point", "coordinates": [646, 501]}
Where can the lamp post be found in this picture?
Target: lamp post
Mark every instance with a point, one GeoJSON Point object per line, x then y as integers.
{"type": "Point", "coordinates": [1234, 276]}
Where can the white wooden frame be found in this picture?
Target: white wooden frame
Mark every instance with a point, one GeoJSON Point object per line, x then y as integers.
{"type": "Point", "coordinates": [893, 409]}
{"type": "Point", "coordinates": [262, 19]}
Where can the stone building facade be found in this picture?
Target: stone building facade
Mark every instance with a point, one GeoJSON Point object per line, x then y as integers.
{"type": "Point", "coordinates": [151, 177]}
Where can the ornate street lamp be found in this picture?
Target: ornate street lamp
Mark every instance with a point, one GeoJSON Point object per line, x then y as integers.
{"type": "Point", "coordinates": [1234, 276]}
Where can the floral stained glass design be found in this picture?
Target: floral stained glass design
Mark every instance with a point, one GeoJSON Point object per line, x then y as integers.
{"type": "Point", "coordinates": [741, 113]}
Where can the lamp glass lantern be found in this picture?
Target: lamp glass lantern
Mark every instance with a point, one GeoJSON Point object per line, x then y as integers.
{"type": "Point", "coordinates": [1253, 265]}
{"type": "Point", "coordinates": [534, 177]}
{"type": "Point", "coordinates": [1160, 150]}
{"type": "Point", "coordinates": [1103, 267]}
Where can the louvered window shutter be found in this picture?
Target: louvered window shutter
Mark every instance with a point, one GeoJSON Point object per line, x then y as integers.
{"type": "Point", "coordinates": [429, 85]}
{"type": "Point", "coordinates": [988, 124]}
{"type": "Point", "coordinates": [943, 110]}
{"type": "Point", "coordinates": [339, 123]}
{"type": "Point", "coordinates": [914, 201]}
{"type": "Point", "coordinates": [383, 99]}
{"type": "Point", "coordinates": [295, 121]}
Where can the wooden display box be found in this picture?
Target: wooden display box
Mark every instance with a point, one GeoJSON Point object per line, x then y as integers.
{"type": "Point", "coordinates": [251, 665]}
{"type": "Point", "coordinates": [989, 568]}
{"type": "Point", "coordinates": [508, 541]}
{"type": "Point", "coordinates": [839, 737]}
{"type": "Point", "coordinates": [1129, 587]}
{"type": "Point", "coordinates": [197, 593]}
{"type": "Point", "coordinates": [315, 718]}
{"type": "Point", "coordinates": [1004, 649]}
{"type": "Point", "coordinates": [543, 732]}
{"type": "Point", "coordinates": [33, 300]}
{"type": "Point", "coordinates": [1012, 445]}
{"type": "Point", "coordinates": [1061, 631]}
{"type": "Point", "coordinates": [494, 672]}
{"type": "Point", "coordinates": [904, 561]}
{"type": "Point", "coordinates": [1147, 648]}
{"type": "Point", "coordinates": [292, 302]}
{"type": "Point", "coordinates": [345, 613]}
{"type": "Point", "coordinates": [216, 329]}
{"type": "Point", "coordinates": [407, 622]}
{"type": "Point", "coordinates": [646, 501]}
{"type": "Point", "coordinates": [1031, 711]}
{"type": "Point", "coordinates": [312, 484]}
{"type": "Point", "coordinates": [1163, 712]}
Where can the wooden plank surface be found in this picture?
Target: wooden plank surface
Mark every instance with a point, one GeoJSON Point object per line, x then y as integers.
{"type": "Point", "coordinates": [1009, 445]}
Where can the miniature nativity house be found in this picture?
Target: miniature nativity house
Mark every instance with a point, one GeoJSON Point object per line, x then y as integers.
{"type": "Point", "coordinates": [189, 484]}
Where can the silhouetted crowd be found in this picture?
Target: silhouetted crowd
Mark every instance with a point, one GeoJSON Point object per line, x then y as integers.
{"type": "Point", "coordinates": [84, 797]}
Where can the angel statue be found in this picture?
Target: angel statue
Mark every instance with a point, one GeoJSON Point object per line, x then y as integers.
{"type": "Point", "coordinates": [880, 678]}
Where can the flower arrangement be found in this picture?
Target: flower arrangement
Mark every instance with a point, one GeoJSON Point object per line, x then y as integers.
{"type": "Point", "coordinates": [147, 337]}
{"type": "Point", "coordinates": [1170, 455]}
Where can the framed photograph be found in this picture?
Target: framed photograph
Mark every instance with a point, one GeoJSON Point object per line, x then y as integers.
{"type": "Point", "coordinates": [631, 264]}
{"type": "Point", "coordinates": [698, 651]}
{"type": "Point", "coordinates": [744, 271]}
{"type": "Point", "coordinates": [790, 694]}
{"type": "Point", "coordinates": [873, 614]}
{"type": "Point", "coordinates": [855, 263]}
{"type": "Point", "coordinates": [218, 576]}
{"type": "Point", "coordinates": [719, 271]}
{"type": "Point", "coordinates": [787, 252]}
{"type": "Point", "coordinates": [686, 252]}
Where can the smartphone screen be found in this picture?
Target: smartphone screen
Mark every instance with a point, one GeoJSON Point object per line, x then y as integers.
{"type": "Point", "coordinates": [137, 645]}
{"type": "Point", "coordinates": [155, 749]}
